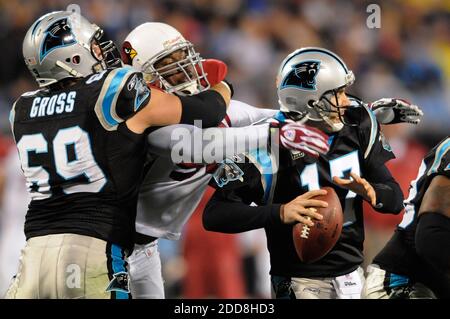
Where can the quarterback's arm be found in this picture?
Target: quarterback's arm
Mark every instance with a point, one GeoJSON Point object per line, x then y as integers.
{"type": "Point", "coordinates": [389, 196]}
{"type": "Point", "coordinates": [226, 213]}
{"type": "Point", "coordinates": [225, 216]}
{"type": "Point", "coordinates": [242, 114]}
{"type": "Point", "coordinates": [378, 188]}
{"type": "Point", "coordinates": [166, 109]}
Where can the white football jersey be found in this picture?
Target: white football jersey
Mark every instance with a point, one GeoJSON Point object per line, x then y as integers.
{"type": "Point", "coordinates": [170, 193]}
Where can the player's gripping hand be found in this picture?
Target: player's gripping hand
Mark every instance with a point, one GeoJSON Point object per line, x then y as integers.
{"type": "Point", "coordinates": [300, 137]}
{"type": "Point", "coordinates": [302, 206]}
{"type": "Point", "coordinates": [392, 111]}
{"type": "Point", "coordinates": [215, 71]}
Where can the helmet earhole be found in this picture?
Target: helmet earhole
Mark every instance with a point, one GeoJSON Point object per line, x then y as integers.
{"type": "Point", "coordinates": [311, 103]}
{"type": "Point", "coordinates": [76, 59]}
{"type": "Point", "coordinates": [68, 60]}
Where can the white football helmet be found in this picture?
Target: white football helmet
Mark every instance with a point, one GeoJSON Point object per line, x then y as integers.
{"type": "Point", "coordinates": [306, 81]}
{"type": "Point", "coordinates": [151, 42]}
{"type": "Point", "coordinates": [58, 46]}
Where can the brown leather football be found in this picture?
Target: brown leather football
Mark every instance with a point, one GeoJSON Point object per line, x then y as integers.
{"type": "Point", "coordinates": [312, 243]}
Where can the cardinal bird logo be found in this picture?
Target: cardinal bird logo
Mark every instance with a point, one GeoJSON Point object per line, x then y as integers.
{"type": "Point", "coordinates": [128, 53]}
{"type": "Point", "coordinates": [302, 76]}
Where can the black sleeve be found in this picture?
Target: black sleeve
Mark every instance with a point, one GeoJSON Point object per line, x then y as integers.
{"type": "Point", "coordinates": [224, 215]}
{"type": "Point", "coordinates": [208, 106]}
{"type": "Point", "coordinates": [388, 192]}
{"type": "Point", "coordinates": [228, 211]}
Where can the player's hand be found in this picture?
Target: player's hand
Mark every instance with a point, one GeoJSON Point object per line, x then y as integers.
{"type": "Point", "coordinates": [301, 207]}
{"type": "Point", "coordinates": [392, 111]}
{"type": "Point", "coordinates": [299, 137]}
{"type": "Point", "coordinates": [215, 71]}
{"type": "Point", "coordinates": [359, 186]}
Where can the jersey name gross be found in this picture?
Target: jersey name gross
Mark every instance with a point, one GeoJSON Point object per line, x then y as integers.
{"type": "Point", "coordinates": [43, 106]}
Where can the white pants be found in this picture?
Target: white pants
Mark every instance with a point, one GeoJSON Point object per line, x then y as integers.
{"type": "Point", "coordinates": [69, 266]}
{"type": "Point", "coordinates": [347, 286]}
{"type": "Point", "coordinates": [146, 281]}
{"type": "Point", "coordinates": [374, 287]}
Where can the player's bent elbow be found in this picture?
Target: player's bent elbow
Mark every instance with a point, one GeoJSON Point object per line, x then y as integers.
{"type": "Point", "coordinates": [398, 208]}
{"type": "Point", "coordinates": [391, 199]}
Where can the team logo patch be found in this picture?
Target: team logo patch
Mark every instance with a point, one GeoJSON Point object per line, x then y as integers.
{"type": "Point", "coordinates": [59, 34]}
{"type": "Point", "coordinates": [119, 283]}
{"type": "Point", "coordinates": [128, 53]}
{"type": "Point", "coordinates": [227, 172]}
{"type": "Point", "coordinates": [142, 93]}
{"type": "Point", "coordinates": [303, 75]}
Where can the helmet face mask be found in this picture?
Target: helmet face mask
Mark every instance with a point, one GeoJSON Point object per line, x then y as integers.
{"type": "Point", "coordinates": [187, 65]}
{"type": "Point", "coordinates": [166, 59]}
{"type": "Point", "coordinates": [110, 54]}
{"type": "Point", "coordinates": [332, 113]}
{"type": "Point", "coordinates": [309, 83]}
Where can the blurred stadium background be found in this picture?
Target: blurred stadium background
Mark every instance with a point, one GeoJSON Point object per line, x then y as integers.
{"type": "Point", "coordinates": [409, 57]}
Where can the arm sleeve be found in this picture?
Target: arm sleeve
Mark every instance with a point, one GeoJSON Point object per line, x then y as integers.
{"type": "Point", "coordinates": [208, 107]}
{"type": "Point", "coordinates": [228, 210]}
{"type": "Point", "coordinates": [388, 192]}
{"type": "Point", "coordinates": [123, 93]}
{"type": "Point", "coordinates": [242, 114]}
{"type": "Point", "coordinates": [377, 152]}
{"type": "Point", "coordinates": [224, 215]}
{"type": "Point", "coordinates": [189, 144]}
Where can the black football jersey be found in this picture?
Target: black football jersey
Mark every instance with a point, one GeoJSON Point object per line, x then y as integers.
{"type": "Point", "coordinates": [399, 255]}
{"type": "Point", "coordinates": [82, 164]}
{"type": "Point", "coordinates": [357, 149]}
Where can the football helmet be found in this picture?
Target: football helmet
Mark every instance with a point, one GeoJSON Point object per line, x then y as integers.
{"type": "Point", "coordinates": [150, 43]}
{"type": "Point", "coordinates": [306, 82]}
{"type": "Point", "coordinates": [59, 45]}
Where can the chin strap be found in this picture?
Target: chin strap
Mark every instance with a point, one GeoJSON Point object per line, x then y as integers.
{"type": "Point", "coordinates": [70, 70]}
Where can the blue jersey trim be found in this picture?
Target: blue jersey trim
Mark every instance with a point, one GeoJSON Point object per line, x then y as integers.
{"type": "Point", "coordinates": [118, 265]}
{"type": "Point", "coordinates": [440, 152]}
{"type": "Point", "coordinates": [108, 100]}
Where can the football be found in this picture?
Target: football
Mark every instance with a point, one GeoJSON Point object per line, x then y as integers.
{"type": "Point", "coordinates": [312, 243]}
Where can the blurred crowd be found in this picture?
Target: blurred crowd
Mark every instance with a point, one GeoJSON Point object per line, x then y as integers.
{"type": "Point", "coordinates": [408, 56]}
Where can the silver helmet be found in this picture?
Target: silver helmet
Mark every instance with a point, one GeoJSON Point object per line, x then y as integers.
{"type": "Point", "coordinates": [150, 43]}
{"type": "Point", "coordinates": [59, 45]}
{"type": "Point", "coordinates": [306, 81]}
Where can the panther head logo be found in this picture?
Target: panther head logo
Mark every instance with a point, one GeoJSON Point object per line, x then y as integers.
{"type": "Point", "coordinates": [58, 34]}
{"type": "Point", "coordinates": [303, 75]}
{"type": "Point", "coordinates": [119, 283]}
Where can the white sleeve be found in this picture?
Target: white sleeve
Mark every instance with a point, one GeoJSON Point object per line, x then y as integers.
{"type": "Point", "coordinates": [190, 144]}
{"type": "Point", "coordinates": [242, 114]}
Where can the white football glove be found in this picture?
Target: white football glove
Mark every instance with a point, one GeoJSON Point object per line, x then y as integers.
{"type": "Point", "coordinates": [392, 111]}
